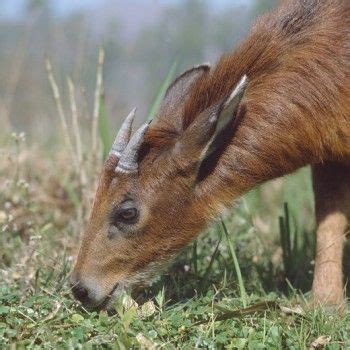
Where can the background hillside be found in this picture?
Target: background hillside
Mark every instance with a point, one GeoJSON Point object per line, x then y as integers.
{"type": "Point", "coordinates": [142, 39]}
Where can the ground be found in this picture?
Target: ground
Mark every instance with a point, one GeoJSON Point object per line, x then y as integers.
{"type": "Point", "coordinates": [243, 284]}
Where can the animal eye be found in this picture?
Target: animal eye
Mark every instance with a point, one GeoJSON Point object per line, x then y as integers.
{"type": "Point", "coordinates": [128, 215]}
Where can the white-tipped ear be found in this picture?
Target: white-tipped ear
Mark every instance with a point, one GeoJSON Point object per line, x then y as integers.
{"type": "Point", "coordinates": [213, 129]}
{"type": "Point", "coordinates": [224, 116]}
{"type": "Point", "coordinates": [229, 106]}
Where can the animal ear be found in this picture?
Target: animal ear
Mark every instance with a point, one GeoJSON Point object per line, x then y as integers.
{"type": "Point", "coordinates": [226, 115]}
{"type": "Point", "coordinates": [177, 92]}
{"type": "Point", "coordinates": [213, 128]}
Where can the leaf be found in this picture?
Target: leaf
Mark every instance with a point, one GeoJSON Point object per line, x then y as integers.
{"type": "Point", "coordinates": [147, 309]}
{"type": "Point", "coordinates": [239, 343]}
{"type": "Point", "coordinates": [144, 342]}
{"type": "Point", "coordinates": [77, 318]}
{"type": "Point", "coordinates": [160, 298]}
{"type": "Point", "coordinates": [320, 342]}
{"type": "Point", "coordinates": [4, 310]}
{"type": "Point", "coordinates": [297, 310]}
{"type": "Point", "coordinates": [128, 302]}
{"type": "Point", "coordinates": [128, 317]}
{"type": "Point", "coordinates": [153, 334]}
{"type": "Point", "coordinates": [3, 217]}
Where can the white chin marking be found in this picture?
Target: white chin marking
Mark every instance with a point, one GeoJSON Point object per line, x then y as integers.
{"type": "Point", "coordinates": [95, 290]}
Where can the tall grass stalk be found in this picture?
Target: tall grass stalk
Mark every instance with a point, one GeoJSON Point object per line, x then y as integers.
{"type": "Point", "coordinates": [236, 265]}
{"type": "Point", "coordinates": [104, 128]}
{"type": "Point", "coordinates": [206, 274]}
{"type": "Point", "coordinates": [286, 237]}
{"type": "Point", "coordinates": [76, 131]}
{"type": "Point", "coordinates": [59, 106]}
{"type": "Point", "coordinates": [195, 257]}
{"type": "Point", "coordinates": [97, 101]}
{"type": "Point", "coordinates": [77, 136]}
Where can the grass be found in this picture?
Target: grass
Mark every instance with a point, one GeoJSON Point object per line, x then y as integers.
{"type": "Point", "coordinates": [243, 284]}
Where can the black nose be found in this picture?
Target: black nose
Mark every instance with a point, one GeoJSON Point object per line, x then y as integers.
{"type": "Point", "coordinates": [80, 292]}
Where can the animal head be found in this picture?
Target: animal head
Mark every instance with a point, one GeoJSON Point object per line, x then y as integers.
{"type": "Point", "coordinates": [150, 203]}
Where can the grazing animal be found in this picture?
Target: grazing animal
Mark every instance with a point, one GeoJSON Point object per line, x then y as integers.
{"type": "Point", "coordinates": [278, 102]}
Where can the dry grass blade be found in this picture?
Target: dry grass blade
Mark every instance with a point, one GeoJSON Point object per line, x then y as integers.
{"type": "Point", "coordinates": [226, 314]}
{"type": "Point", "coordinates": [52, 314]}
{"type": "Point", "coordinates": [98, 94]}
{"type": "Point", "coordinates": [76, 133]}
{"type": "Point", "coordinates": [260, 307]}
{"type": "Point", "coordinates": [296, 310]}
{"type": "Point", "coordinates": [57, 98]}
{"type": "Point", "coordinates": [74, 111]}
{"type": "Point", "coordinates": [321, 342]}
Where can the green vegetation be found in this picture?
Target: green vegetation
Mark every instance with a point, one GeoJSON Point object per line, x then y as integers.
{"type": "Point", "coordinates": [235, 287]}
{"type": "Point", "coordinates": [201, 302]}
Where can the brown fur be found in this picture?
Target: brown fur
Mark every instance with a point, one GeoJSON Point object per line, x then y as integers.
{"type": "Point", "coordinates": [296, 111]}
{"type": "Point", "coordinates": [332, 197]}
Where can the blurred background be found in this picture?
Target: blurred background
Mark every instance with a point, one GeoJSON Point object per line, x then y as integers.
{"type": "Point", "coordinates": [142, 39]}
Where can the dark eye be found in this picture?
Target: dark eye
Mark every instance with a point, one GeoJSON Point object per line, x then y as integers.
{"type": "Point", "coordinates": [123, 217]}
{"type": "Point", "coordinates": [127, 215]}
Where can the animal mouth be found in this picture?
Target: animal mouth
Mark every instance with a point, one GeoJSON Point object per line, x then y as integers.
{"type": "Point", "coordinates": [105, 303]}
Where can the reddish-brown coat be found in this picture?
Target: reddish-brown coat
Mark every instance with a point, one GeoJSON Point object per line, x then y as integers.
{"type": "Point", "coordinates": [296, 111]}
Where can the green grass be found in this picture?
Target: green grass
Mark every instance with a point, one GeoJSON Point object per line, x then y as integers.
{"type": "Point", "coordinates": [105, 136]}
{"type": "Point", "coordinates": [226, 290]}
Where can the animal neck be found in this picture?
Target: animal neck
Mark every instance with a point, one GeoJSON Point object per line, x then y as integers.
{"type": "Point", "coordinates": [266, 145]}
{"type": "Point", "coordinates": [281, 127]}
{"type": "Point", "coordinates": [294, 111]}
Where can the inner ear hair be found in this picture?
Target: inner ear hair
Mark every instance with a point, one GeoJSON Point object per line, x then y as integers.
{"type": "Point", "coordinates": [227, 115]}
{"type": "Point", "coordinates": [218, 146]}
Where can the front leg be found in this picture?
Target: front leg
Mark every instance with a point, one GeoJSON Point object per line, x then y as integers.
{"type": "Point", "coordinates": [332, 201]}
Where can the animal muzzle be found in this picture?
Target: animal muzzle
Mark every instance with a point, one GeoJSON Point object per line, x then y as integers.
{"type": "Point", "coordinates": [89, 293]}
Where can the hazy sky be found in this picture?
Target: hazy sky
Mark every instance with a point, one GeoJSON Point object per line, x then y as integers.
{"type": "Point", "coordinates": [12, 9]}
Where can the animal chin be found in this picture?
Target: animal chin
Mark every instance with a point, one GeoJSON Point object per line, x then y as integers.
{"type": "Point", "coordinates": [118, 290]}
{"type": "Point", "coordinates": [148, 275]}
